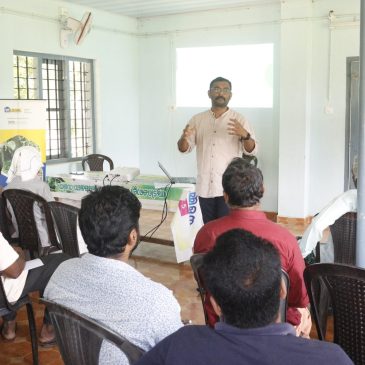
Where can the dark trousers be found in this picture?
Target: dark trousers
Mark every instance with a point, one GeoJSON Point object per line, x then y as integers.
{"type": "Point", "coordinates": [37, 279]}
{"type": "Point", "coordinates": [213, 208]}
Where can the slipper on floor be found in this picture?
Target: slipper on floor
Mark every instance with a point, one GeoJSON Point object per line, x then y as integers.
{"type": "Point", "coordinates": [6, 337]}
{"type": "Point", "coordinates": [49, 343]}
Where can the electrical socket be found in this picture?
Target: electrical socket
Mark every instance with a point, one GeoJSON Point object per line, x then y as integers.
{"type": "Point", "coordinates": [328, 109]}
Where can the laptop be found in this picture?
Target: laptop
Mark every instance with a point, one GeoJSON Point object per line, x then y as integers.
{"type": "Point", "coordinates": [177, 180]}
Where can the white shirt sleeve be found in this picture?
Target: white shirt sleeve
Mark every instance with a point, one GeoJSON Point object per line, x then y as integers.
{"type": "Point", "coordinates": [342, 204]}
{"type": "Point", "coordinates": [13, 287]}
{"type": "Point", "coordinates": [7, 254]}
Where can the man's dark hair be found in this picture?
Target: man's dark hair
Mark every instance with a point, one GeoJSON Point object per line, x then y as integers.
{"type": "Point", "coordinates": [220, 79]}
{"type": "Point", "coordinates": [243, 183]}
{"type": "Point", "coordinates": [107, 217]}
{"type": "Point", "coordinates": [243, 274]}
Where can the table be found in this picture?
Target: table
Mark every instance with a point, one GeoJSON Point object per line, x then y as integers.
{"type": "Point", "coordinates": [152, 191]}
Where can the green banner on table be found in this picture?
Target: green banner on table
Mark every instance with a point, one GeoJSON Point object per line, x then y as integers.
{"type": "Point", "coordinates": [142, 191]}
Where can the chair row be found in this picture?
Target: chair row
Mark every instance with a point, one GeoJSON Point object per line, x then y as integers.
{"type": "Point", "coordinates": [61, 221]}
{"type": "Point", "coordinates": [79, 337]}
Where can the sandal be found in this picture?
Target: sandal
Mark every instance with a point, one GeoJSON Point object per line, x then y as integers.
{"type": "Point", "coordinates": [49, 343]}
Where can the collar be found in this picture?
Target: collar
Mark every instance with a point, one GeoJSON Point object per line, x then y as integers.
{"type": "Point", "coordinates": [247, 214]}
{"type": "Point", "coordinates": [275, 329]}
{"type": "Point", "coordinates": [213, 114]}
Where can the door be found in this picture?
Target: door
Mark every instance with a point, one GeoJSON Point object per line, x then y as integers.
{"type": "Point", "coordinates": [352, 120]}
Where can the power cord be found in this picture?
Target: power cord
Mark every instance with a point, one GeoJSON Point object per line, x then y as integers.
{"type": "Point", "coordinates": [104, 179]}
{"type": "Point", "coordinates": [114, 177]}
{"type": "Point", "coordinates": [153, 230]}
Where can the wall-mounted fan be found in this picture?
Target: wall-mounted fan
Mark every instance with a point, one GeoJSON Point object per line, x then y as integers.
{"type": "Point", "coordinates": [77, 28]}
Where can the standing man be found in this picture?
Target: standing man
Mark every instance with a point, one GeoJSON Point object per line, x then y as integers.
{"type": "Point", "coordinates": [219, 135]}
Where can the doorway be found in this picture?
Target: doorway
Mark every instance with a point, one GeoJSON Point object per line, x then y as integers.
{"type": "Point", "coordinates": [352, 119]}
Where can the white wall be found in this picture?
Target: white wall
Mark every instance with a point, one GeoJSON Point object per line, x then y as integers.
{"type": "Point", "coordinates": [309, 164]}
{"type": "Point", "coordinates": [161, 123]}
{"type": "Point", "coordinates": [302, 149]}
{"type": "Point", "coordinates": [33, 26]}
{"type": "Point", "coordinates": [327, 136]}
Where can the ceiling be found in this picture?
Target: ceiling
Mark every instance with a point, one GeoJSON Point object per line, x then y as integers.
{"type": "Point", "coordinates": [151, 8]}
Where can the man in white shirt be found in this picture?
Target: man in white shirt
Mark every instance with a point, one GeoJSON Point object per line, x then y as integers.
{"type": "Point", "coordinates": [102, 285]}
{"type": "Point", "coordinates": [18, 281]}
{"type": "Point", "coordinates": [219, 134]}
{"type": "Point", "coordinates": [23, 175]}
{"type": "Point", "coordinates": [344, 203]}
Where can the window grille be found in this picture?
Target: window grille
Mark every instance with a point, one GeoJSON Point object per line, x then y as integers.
{"type": "Point", "coordinates": [67, 85]}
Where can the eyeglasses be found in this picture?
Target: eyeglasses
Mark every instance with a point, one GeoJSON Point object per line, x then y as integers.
{"type": "Point", "coordinates": [218, 90]}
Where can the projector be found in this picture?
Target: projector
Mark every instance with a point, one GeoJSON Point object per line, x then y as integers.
{"type": "Point", "coordinates": [123, 174]}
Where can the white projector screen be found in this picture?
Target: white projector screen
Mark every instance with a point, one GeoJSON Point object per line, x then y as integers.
{"type": "Point", "coordinates": [248, 67]}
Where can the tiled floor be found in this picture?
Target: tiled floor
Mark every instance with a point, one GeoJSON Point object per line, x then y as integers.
{"type": "Point", "coordinates": [155, 261]}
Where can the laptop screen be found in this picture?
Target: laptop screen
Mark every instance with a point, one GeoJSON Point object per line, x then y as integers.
{"type": "Point", "coordinates": [165, 171]}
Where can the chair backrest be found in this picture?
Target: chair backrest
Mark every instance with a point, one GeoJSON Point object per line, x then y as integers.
{"type": "Point", "coordinates": [79, 337]}
{"type": "Point", "coordinates": [5, 220]}
{"type": "Point", "coordinates": [65, 219]}
{"type": "Point", "coordinates": [6, 308]}
{"type": "Point", "coordinates": [22, 202]}
{"type": "Point", "coordinates": [96, 162]}
{"type": "Point", "coordinates": [196, 262]}
{"type": "Point", "coordinates": [284, 302]}
{"type": "Point", "coordinates": [343, 233]}
{"type": "Point", "coordinates": [346, 288]}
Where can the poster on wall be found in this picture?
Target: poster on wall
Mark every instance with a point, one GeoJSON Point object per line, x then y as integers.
{"type": "Point", "coordinates": [22, 123]}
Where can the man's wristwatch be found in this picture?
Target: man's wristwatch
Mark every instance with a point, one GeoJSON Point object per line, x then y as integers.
{"type": "Point", "coordinates": [245, 138]}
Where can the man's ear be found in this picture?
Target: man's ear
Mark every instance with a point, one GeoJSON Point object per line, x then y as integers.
{"type": "Point", "coordinates": [216, 307]}
{"type": "Point", "coordinates": [132, 239]}
{"type": "Point", "coordinates": [225, 196]}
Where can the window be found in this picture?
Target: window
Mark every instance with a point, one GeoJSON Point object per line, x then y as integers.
{"type": "Point", "coordinates": [66, 83]}
{"type": "Point", "coordinates": [248, 67]}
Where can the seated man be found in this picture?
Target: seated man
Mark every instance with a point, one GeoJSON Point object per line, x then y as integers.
{"type": "Point", "coordinates": [18, 282]}
{"type": "Point", "coordinates": [103, 286]}
{"type": "Point", "coordinates": [344, 203]}
{"type": "Point", "coordinates": [243, 189]}
{"type": "Point", "coordinates": [23, 174]}
{"type": "Point", "coordinates": [243, 274]}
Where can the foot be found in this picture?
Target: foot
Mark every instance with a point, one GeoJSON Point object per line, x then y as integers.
{"type": "Point", "coordinates": [47, 335]}
{"type": "Point", "coordinates": [9, 330]}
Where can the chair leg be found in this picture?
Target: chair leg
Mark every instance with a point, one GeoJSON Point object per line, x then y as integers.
{"type": "Point", "coordinates": [33, 333]}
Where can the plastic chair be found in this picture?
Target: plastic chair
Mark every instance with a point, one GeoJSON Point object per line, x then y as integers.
{"type": "Point", "coordinates": [6, 308]}
{"type": "Point", "coordinates": [346, 288]}
{"type": "Point", "coordinates": [79, 337]}
{"type": "Point", "coordinates": [196, 262]}
{"type": "Point", "coordinates": [96, 162]}
{"type": "Point", "coordinates": [65, 219]}
{"type": "Point", "coordinates": [22, 202]}
{"type": "Point", "coordinates": [343, 233]}
{"type": "Point", "coordinates": [5, 221]}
